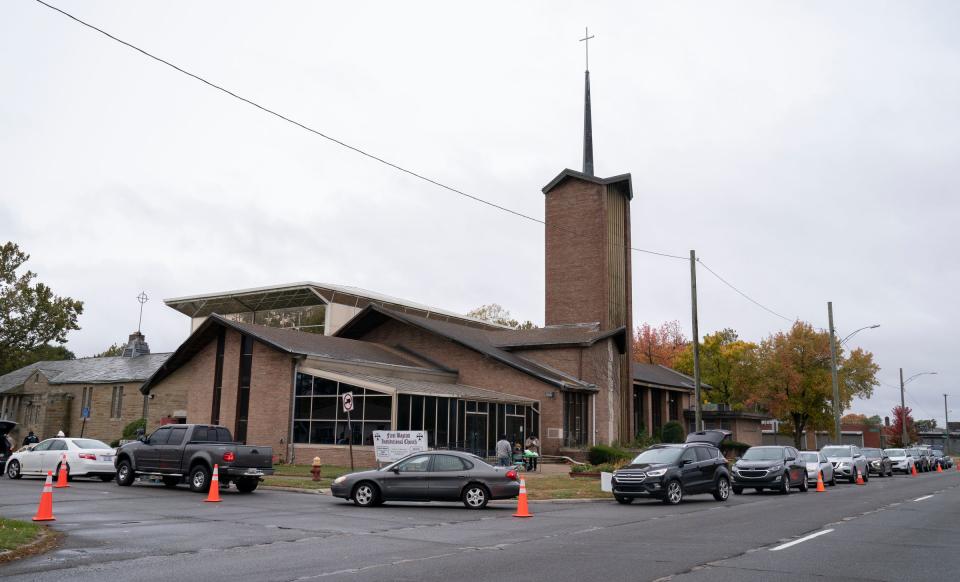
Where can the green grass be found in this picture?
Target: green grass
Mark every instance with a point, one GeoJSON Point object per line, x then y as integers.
{"type": "Point", "coordinates": [562, 487]}
{"type": "Point", "coordinates": [14, 534]}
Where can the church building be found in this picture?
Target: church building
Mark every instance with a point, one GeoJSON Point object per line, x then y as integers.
{"type": "Point", "coordinates": [271, 363]}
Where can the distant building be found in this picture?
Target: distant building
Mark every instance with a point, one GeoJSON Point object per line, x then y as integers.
{"type": "Point", "coordinates": [50, 396]}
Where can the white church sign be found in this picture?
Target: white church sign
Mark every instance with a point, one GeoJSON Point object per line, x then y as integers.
{"type": "Point", "coordinates": [393, 445]}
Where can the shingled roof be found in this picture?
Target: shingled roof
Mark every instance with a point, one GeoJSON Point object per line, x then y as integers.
{"type": "Point", "coordinates": [293, 342]}
{"type": "Point", "coordinates": [493, 344]}
{"type": "Point", "coordinates": [659, 376]}
{"type": "Point", "coordinates": [106, 370]}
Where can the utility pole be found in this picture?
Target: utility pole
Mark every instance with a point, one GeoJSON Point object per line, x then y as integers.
{"type": "Point", "coordinates": [946, 427]}
{"type": "Point", "coordinates": [697, 417]}
{"type": "Point", "coordinates": [903, 413]}
{"type": "Point", "coordinates": [833, 374]}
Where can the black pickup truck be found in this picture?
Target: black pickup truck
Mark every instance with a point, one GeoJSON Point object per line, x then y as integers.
{"type": "Point", "coordinates": [180, 453]}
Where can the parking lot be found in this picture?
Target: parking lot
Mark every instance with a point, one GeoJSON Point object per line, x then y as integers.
{"type": "Point", "coordinates": [901, 528]}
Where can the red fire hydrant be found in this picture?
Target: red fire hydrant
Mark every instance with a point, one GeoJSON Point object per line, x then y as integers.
{"type": "Point", "coordinates": [315, 468]}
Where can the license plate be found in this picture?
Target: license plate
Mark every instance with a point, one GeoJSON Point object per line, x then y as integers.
{"type": "Point", "coordinates": [254, 472]}
{"type": "Point", "coordinates": [106, 458]}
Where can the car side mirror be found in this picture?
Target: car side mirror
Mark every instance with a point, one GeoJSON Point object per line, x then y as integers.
{"type": "Point", "coordinates": [144, 440]}
{"type": "Point", "coordinates": [396, 470]}
{"type": "Point", "coordinates": [685, 462]}
{"type": "Point", "coordinates": [791, 458]}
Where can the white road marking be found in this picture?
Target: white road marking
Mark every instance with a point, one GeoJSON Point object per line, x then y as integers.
{"type": "Point", "coordinates": [924, 497]}
{"type": "Point", "coordinates": [801, 540]}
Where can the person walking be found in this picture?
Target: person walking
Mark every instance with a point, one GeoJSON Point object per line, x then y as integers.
{"type": "Point", "coordinates": [532, 444]}
{"type": "Point", "coordinates": [503, 451]}
{"type": "Point", "coordinates": [60, 434]}
{"type": "Point", "coordinates": [30, 439]}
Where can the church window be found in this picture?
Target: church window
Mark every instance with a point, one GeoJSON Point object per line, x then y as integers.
{"type": "Point", "coordinates": [116, 403]}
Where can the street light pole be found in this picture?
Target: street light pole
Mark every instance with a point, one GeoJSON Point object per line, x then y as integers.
{"type": "Point", "coordinates": [946, 427]}
{"type": "Point", "coordinates": [833, 375]}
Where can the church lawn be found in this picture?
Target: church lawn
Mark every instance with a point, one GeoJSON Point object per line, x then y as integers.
{"type": "Point", "coordinates": [14, 533]}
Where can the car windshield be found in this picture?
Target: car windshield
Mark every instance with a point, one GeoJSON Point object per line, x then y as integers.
{"type": "Point", "coordinates": [90, 444]}
{"type": "Point", "coordinates": [871, 453]}
{"type": "Point", "coordinates": [937, 453]}
{"type": "Point", "coordinates": [895, 453]}
{"type": "Point", "coordinates": [659, 455]}
{"type": "Point", "coordinates": [837, 451]}
{"type": "Point", "coordinates": [809, 457]}
{"type": "Point", "coordinates": [763, 454]}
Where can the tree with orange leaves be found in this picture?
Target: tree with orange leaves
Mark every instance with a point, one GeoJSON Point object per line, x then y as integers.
{"type": "Point", "coordinates": [659, 345]}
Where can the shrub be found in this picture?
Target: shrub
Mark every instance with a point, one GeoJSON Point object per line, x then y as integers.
{"type": "Point", "coordinates": [601, 454]}
{"type": "Point", "coordinates": [130, 431]}
{"type": "Point", "coordinates": [672, 432]}
{"type": "Point", "coordinates": [114, 443]}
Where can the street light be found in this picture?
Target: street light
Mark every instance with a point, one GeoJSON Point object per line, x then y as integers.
{"type": "Point", "coordinates": [833, 366]}
{"type": "Point", "coordinates": [903, 405]}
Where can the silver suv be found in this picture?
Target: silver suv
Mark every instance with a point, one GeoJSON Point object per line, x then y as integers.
{"type": "Point", "coordinates": [847, 461]}
{"type": "Point", "coordinates": [902, 460]}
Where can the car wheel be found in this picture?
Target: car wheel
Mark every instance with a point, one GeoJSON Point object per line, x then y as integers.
{"type": "Point", "coordinates": [247, 485]}
{"type": "Point", "coordinates": [866, 476]}
{"type": "Point", "coordinates": [125, 474]}
{"type": "Point", "coordinates": [785, 484]}
{"type": "Point", "coordinates": [833, 479]}
{"type": "Point", "coordinates": [171, 482]}
{"type": "Point", "coordinates": [475, 496]}
{"type": "Point", "coordinates": [722, 492]}
{"type": "Point", "coordinates": [365, 494]}
{"type": "Point", "coordinates": [13, 469]}
{"type": "Point", "coordinates": [623, 500]}
{"type": "Point", "coordinates": [674, 493]}
{"type": "Point", "coordinates": [804, 486]}
{"type": "Point", "coordinates": [200, 479]}
{"type": "Point", "coordinates": [737, 490]}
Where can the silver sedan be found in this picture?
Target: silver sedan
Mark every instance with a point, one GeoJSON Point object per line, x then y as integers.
{"type": "Point", "coordinates": [817, 462]}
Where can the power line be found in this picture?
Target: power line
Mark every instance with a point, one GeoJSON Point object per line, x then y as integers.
{"type": "Point", "coordinates": [744, 295]}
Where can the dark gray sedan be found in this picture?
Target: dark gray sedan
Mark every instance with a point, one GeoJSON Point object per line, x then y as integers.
{"type": "Point", "coordinates": [431, 476]}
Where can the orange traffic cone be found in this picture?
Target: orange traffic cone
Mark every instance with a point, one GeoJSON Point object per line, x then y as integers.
{"type": "Point", "coordinates": [913, 470]}
{"type": "Point", "coordinates": [214, 495]}
{"type": "Point", "coordinates": [62, 473]}
{"type": "Point", "coordinates": [939, 470]}
{"type": "Point", "coordinates": [45, 509]}
{"type": "Point", "coordinates": [522, 509]}
{"type": "Point", "coordinates": [860, 480]}
{"type": "Point", "coordinates": [820, 487]}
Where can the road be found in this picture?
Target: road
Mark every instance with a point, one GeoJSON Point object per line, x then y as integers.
{"type": "Point", "coordinates": [896, 529]}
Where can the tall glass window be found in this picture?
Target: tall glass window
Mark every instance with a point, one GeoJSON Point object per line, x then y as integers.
{"type": "Point", "coordinates": [575, 425]}
{"type": "Point", "coordinates": [243, 388]}
{"type": "Point", "coordinates": [318, 416]}
{"type": "Point", "coordinates": [218, 378]}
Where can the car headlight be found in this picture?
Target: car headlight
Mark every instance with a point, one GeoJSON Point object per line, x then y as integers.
{"type": "Point", "coordinates": [339, 480]}
{"type": "Point", "coordinates": [776, 467]}
{"type": "Point", "coordinates": [875, 463]}
{"type": "Point", "coordinates": [657, 473]}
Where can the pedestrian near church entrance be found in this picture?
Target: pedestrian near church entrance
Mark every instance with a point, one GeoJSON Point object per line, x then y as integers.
{"type": "Point", "coordinates": [532, 444]}
{"type": "Point", "coordinates": [503, 451]}
{"type": "Point", "coordinates": [30, 439]}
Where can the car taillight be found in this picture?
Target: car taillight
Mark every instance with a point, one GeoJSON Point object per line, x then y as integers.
{"type": "Point", "coordinates": [88, 456]}
{"type": "Point", "coordinates": [511, 474]}
{"type": "Point", "coordinates": [229, 456]}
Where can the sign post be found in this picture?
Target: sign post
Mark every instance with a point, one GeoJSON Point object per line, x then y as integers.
{"type": "Point", "coordinates": [348, 407]}
{"type": "Point", "coordinates": [85, 413]}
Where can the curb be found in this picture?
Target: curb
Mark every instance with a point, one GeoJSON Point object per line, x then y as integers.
{"type": "Point", "coordinates": [46, 541]}
{"type": "Point", "coordinates": [295, 490]}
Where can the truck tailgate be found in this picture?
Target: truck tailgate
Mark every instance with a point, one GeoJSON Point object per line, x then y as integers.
{"type": "Point", "coordinates": [253, 456]}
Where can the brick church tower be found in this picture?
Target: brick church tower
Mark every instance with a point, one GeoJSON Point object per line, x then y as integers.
{"type": "Point", "coordinates": [588, 268]}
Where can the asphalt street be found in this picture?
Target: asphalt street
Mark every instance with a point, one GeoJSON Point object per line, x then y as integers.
{"type": "Point", "coordinates": [897, 529]}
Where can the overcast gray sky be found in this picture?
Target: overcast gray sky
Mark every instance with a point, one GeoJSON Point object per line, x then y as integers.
{"type": "Point", "coordinates": [807, 151]}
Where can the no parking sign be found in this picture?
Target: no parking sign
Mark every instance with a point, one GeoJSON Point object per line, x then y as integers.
{"type": "Point", "coordinates": [347, 401]}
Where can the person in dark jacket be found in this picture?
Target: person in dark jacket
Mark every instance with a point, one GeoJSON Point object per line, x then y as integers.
{"type": "Point", "coordinates": [30, 439]}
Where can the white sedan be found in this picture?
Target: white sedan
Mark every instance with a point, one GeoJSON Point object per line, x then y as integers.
{"type": "Point", "coordinates": [85, 458]}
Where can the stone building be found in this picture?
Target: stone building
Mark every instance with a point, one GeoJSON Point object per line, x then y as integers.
{"type": "Point", "coordinates": [50, 396]}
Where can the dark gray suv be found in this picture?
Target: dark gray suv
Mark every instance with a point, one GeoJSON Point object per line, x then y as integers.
{"type": "Point", "coordinates": [771, 467]}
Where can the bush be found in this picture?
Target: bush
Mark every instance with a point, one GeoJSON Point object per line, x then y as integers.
{"type": "Point", "coordinates": [114, 443]}
{"type": "Point", "coordinates": [601, 468]}
{"type": "Point", "coordinates": [672, 432]}
{"type": "Point", "coordinates": [130, 431]}
{"type": "Point", "coordinates": [733, 448]}
{"type": "Point", "coordinates": [601, 454]}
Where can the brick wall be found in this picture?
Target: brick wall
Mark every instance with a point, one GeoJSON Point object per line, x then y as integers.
{"type": "Point", "coordinates": [363, 456]}
{"type": "Point", "coordinates": [102, 424]}
{"type": "Point", "coordinates": [268, 421]}
{"type": "Point", "coordinates": [575, 253]}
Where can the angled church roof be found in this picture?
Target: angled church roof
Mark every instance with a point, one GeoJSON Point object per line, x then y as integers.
{"type": "Point", "coordinates": [107, 370]}
{"type": "Point", "coordinates": [493, 344]}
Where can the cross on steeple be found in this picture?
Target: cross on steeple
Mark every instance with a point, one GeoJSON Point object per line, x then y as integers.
{"type": "Point", "coordinates": [141, 298]}
{"type": "Point", "coordinates": [586, 41]}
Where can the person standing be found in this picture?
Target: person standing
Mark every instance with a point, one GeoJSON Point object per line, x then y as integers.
{"type": "Point", "coordinates": [60, 434]}
{"type": "Point", "coordinates": [30, 439]}
{"type": "Point", "coordinates": [503, 451]}
{"type": "Point", "coordinates": [532, 444]}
